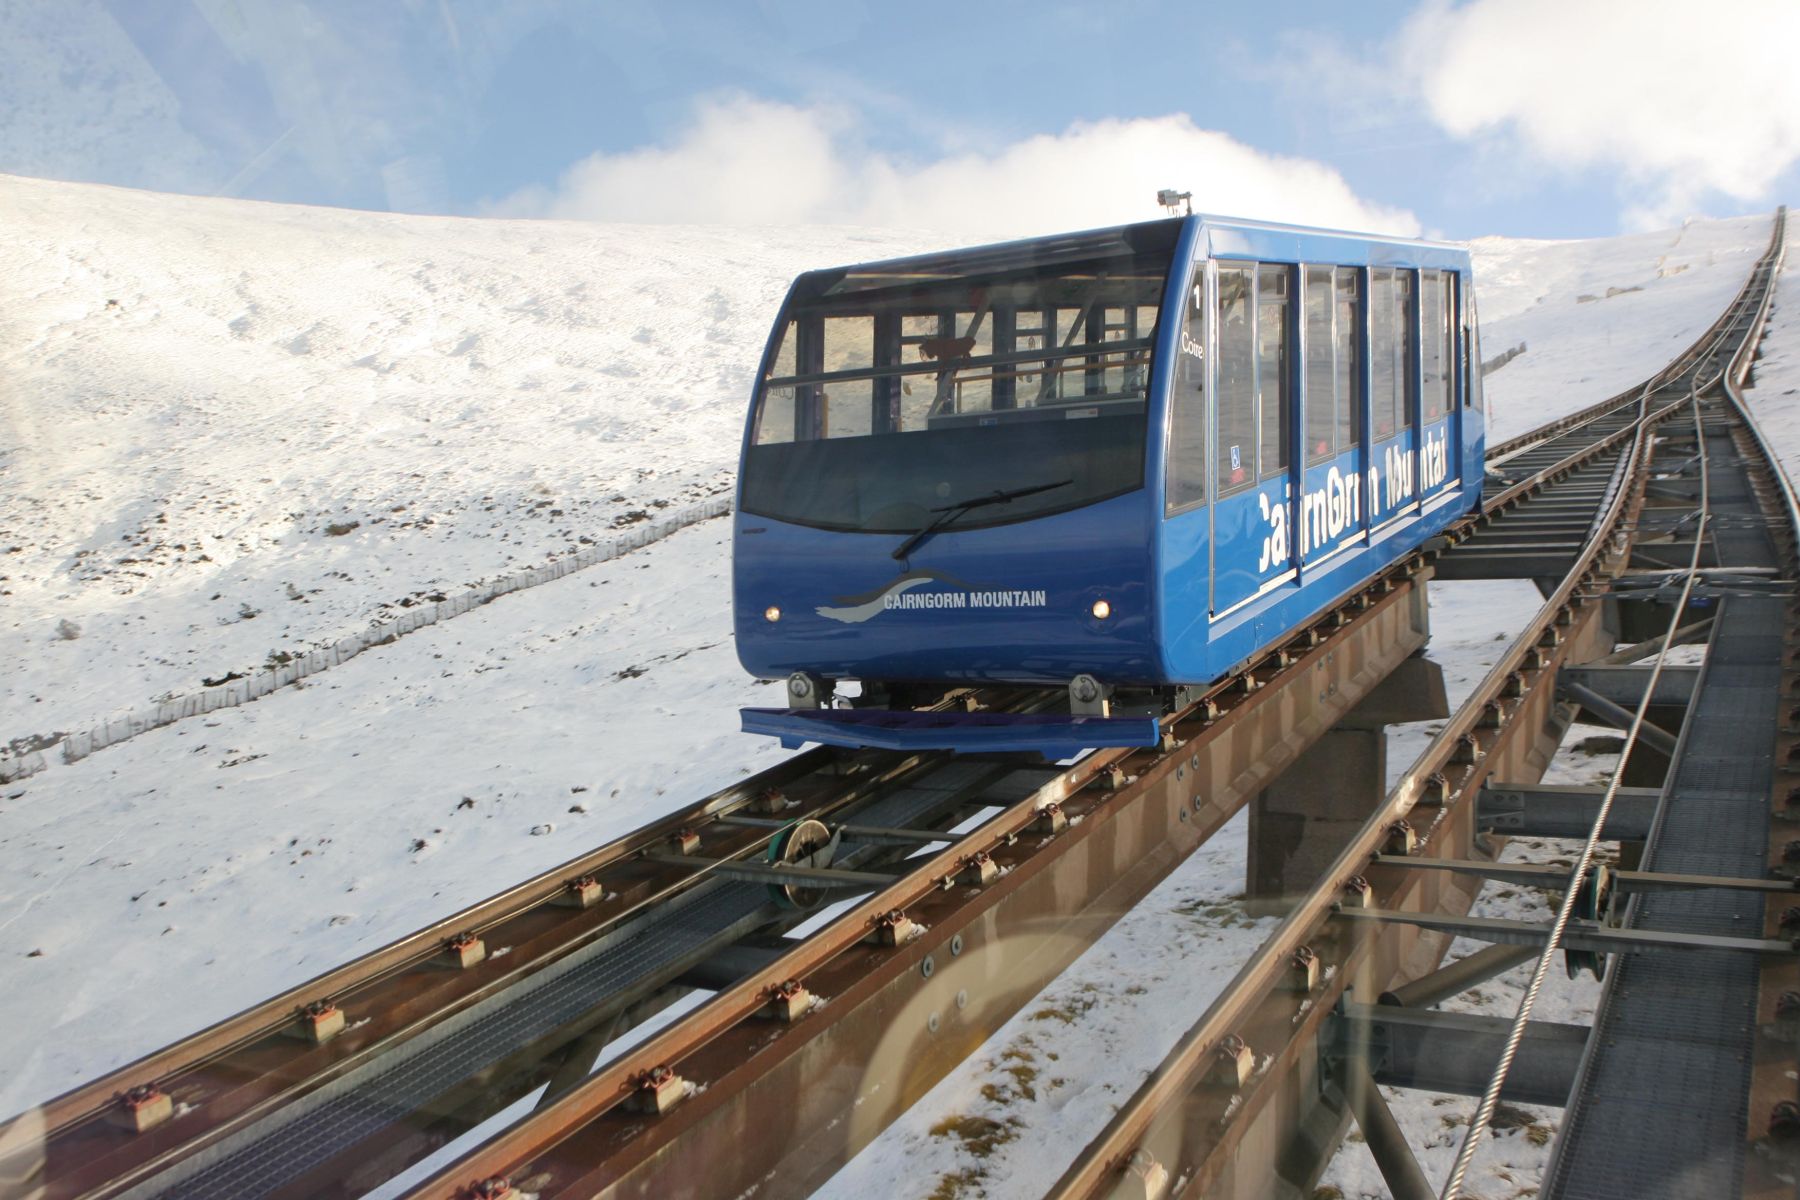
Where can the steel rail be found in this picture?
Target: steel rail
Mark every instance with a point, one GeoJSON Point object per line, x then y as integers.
{"type": "Point", "coordinates": [1104, 1162]}
{"type": "Point", "coordinates": [1739, 370]}
{"type": "Point", "coordinates": [276, 1013]}
{"type": "Point", "coordinates": [1572, 421]}
{"type": "Point", "coordinates": [263, 1029]}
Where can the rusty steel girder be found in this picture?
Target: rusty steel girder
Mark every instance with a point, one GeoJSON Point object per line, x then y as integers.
{"type": "Point", "coordinates": [1266, 1139]}
{"type": "Point", "coordinates": [97, 1140]}
{"type": "Point", "coordinates": [1187, 1129]}
{"type": "Point", "coordinates": [778, 1107]}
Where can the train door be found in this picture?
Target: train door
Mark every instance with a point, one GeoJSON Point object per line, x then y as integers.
{"type": "Point", "coordinates": [1393, 387]}
{"type": "Point", "coordinates": [1186, 533]}
{"type": "Point", "coordinates": [1330, 507]}
{"type": "Point", "coordinates": [1252, 543]}
{"type": "Point", "coordinates": [1439, 443]}
{"type": "Point", "coordinates": [1472, 421]}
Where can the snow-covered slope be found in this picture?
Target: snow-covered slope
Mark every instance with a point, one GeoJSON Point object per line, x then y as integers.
{"type": "Point", "coordinates": [234, 430]}
{"type": "Point", "coordinates": [1774, 385]}
{"type": "Point", "coordinates": [1591, 313]}
{"type": "Point", "coordinates": [477, 396]}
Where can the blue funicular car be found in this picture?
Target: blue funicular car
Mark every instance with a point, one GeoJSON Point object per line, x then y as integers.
{"type": "Point", "coordinates": [1115, 462]}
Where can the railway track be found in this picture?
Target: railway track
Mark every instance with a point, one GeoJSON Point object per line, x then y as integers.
{"type": "Point", "coordinates": [968, 884]}
{"type": "Point", "coordinates": [1235, 1094]}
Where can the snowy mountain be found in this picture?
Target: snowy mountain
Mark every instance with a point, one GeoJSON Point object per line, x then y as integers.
{"type": "Point", "coordinates": [241, 430]}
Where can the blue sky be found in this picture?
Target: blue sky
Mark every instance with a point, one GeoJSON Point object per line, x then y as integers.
{"type": "Point", "coordinates": [1551, 118]}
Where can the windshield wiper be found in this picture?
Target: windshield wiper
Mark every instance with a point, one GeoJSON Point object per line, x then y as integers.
{"type": "Point", "coordinates": [950, 513]}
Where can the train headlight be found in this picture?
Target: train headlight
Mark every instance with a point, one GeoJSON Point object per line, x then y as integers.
{"type": "Point", "coordinates": [771, 613]}
{"type": "Point", "coordinates": [1102, 610]}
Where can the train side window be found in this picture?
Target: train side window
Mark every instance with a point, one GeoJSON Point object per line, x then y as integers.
{"type": "Point", "coordinates": [1273, 389]}
{"type": "Point", "coordinates": [1186, 476]}
{"type": "Point", "coordinates": [1382, 353]}
{"type": "Point", "coordinates": [1449, 339]}
{"type": "Point", "coordinates": [1434, 364]}
{"type": "Point", "coordinates": [1320, 398]}
{"type": "Point", "coordinates": [1452, 326]}
{"type": "Point", "coordinates": [1349, 347]}
{"type": "Point", "coordinates": [1404, 325]}
{"type": "Point", "coordinates": [1236, 395]}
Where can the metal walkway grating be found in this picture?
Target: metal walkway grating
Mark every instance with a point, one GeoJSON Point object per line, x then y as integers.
{"type": "Point", "coordinates": [1661, 1107]}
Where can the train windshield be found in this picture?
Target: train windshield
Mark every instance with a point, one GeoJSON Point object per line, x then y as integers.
{"type": "Point", "coordinates": [901, 387]}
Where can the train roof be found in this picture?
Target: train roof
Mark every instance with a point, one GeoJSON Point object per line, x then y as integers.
{"type": "Point", "coordinates": [1221, 236]}
{"type": "Point", "coordinates": [1248, 225]}
{"type": "Point", "coordinates": [1236, 237]}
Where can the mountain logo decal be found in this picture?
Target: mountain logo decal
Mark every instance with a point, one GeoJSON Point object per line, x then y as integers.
{"type": "Point", "coordinates": [898, 593]}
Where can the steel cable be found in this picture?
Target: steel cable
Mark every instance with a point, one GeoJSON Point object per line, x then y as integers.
{"type": "Point", "coordinates": [1490, 1099]}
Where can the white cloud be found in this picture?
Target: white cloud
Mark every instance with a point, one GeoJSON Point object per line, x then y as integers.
{"type": "Point", "coordinates": [749, 161]}
{"type": "Point", "coordinates": [1684, 97]}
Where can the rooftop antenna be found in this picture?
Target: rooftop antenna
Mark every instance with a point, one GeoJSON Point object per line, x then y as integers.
{"type": "Point", "coordinates": [1169, 198]}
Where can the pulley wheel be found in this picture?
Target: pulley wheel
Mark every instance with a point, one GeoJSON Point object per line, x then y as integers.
{"type": "Point", "coordinates": [805, 843]}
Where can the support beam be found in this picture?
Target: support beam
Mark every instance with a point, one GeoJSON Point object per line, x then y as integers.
{"type": "Point", "coordinates": [1266, 1141]}
{"type": "Point", "coordinates": [1624, 685]}
{"type": "Point", "coordinates": [1697, 632]}
{"type": "Point", "coordinates": [1544, 875]}
{"type": "Point", "coordinates": [1671, 556]}
{"type": "Point", "coordinates": [1674, 590]}
{"type": "Point", "coordinates": [1503, 564]}
{"type": "Point", "coordinates": [1653, 736]}
{"type": "Point", "coordinates": [1453, 979]}
{"type": "Point", "coordinates": [1535, 810]}
{"type": "Point", "coordinates": [1299, 822]}
{"type": "Point", "coordinates": [1579, 935]}
{"type": "Point", "coordinates": [1387, 1142]}
{"type": "Point", "coordinates": [1455, 1053]}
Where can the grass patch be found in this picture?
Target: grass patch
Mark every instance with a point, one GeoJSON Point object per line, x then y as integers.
{"type": "Point", "coordinates": [980, 1136]}
{"type": "Point", "coordinates": [956, 1184]}
{"type": "Point", "coordinates": [1084, 1001]}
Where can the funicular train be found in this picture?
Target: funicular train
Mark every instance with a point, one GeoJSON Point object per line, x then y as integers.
{"type": "Point", "coordinates": [1117, 462]}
